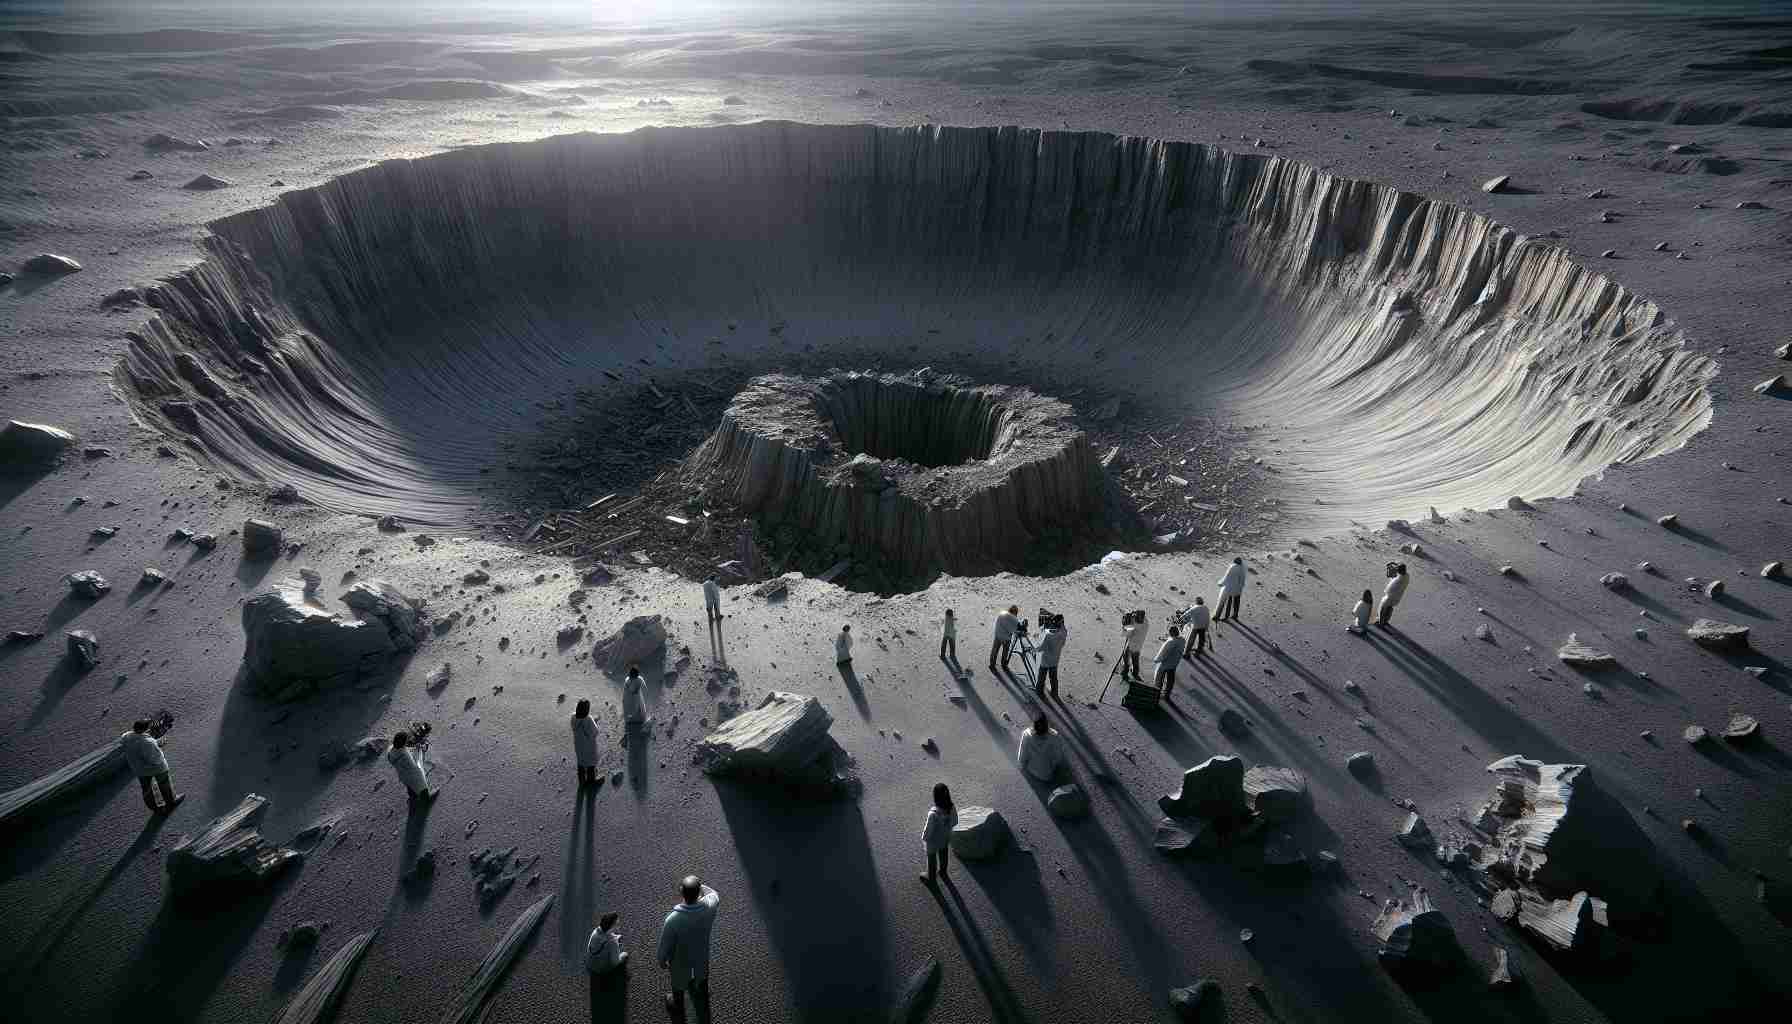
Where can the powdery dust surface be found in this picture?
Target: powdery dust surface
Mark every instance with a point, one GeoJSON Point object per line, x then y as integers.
{"type": "Point", "coordinates": [822, 918]}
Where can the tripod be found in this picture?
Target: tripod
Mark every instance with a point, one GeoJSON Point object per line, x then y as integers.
{"type": "Point", "coordinates": [1023, 645]}
{"type": "Point", "coordinates": [1103, 699]}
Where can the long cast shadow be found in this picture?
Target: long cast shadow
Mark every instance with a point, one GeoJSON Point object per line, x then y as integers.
{"type": "Point", "coordinates": [578, 891]}
{"type": "Point", "coordinates": [853, 689]}
{"type": "Point", "coordinates": [1004, 1007]}
{"type": "Point", "coordinates": [43, 946]}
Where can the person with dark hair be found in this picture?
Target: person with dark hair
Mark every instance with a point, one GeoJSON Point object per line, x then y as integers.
{"type": "Point", "coordinates": [584, 741]}
{"type": "Point", "coordinates": [143, 752]}
{"type": "Point", "coordinates": [1167, 657]}
{"type": "Point", "coordinates": [936, 835]}
{"type": "Point", "coordinates": [1196, 617]}
{"type": "Point", "coordinates": [603, 951]}
{"type": "Point", "coordinates": [407, 760]}
{"type": "Point", "coordinates": [1007, 624]}
{"type": "Point", "coordinates": [1396, 589]}
{"type": "Point", "coordinates": [1231, 591]}
{"type": "Point", "coordinates": [684, 942]}
{"type": "Point", "coordinates": [1361, 612]}
{"type": "Point", "coordinates": [1041, 753]}
{"type": "Point", "coordinates": [949, 637]}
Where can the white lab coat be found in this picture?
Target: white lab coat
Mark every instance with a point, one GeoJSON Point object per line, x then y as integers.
{"type": "Point", "coordinates": [1197, 616]}
{"type": "Point", "coordinates": [1051, 645]}
{"type": "Point", "coordinates": [1362, 614]}
{"type": "Point", "coordinates": [1006, 624]}
{"type": "Point", "coordinates": [843, 646]}
{"type": "Point", "coordinates": [1232, 584]}
{"type": "Point", "coordinates": [634, 699]}
{"type": "Point", "coordinates": [1041, 756]}
{"type": "Point", "coordinates": [1135, 635]}
{"type": "Point", "coordinates": [1169, 652]}
{"type": "Point", "coordinates": [409, 765]}
{"type": "Point", "coordinates": [937, 834]}
{"type": "Point", "coordinates": [712, 595]}
{"type": "Point", "coordinates": [143, 754]}
{"type": "Point", "coordinates": [584, 741]}
{"type": "Point", "coordinates": [603, 952]}
{"type": "Point", "coordinates": [684, 939]}
{"type": "Point", "coordinates": [1396, 589]}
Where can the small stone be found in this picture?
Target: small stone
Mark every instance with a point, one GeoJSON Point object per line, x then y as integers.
{"type": "Point", "coordinates": [1668, 521]}
{"type": "Point", "coordinates": [1503, 183]}
{"type": "Point", "coordinates": [390, 524]}
{"type": "Point", "coordinates": [1695, 734]}
{"type": "Point", "coordinates": [1483, 632]}
{"type": "Point", "coordinates": [1505, 972]}
{"type": "Point", "coordinates": [1615, 581]}
{"type": "Point", "coordinates": [87, 584]}
{"type": "Point", "coordinates": [1741, 728]}
{"type": "Point", "coordinates": [1189, 1000]}
{"type": "Point", "coordinates": [1719, 636]}
{"type": "Point", "coordinates": [1583, 655]}
{"type": "Point", "coordinates": [83, 649]}
{"type": "Point", "coordinates": [1518, 504]}
{"type": "Point", "coordinates": [1507, 570]}
{"type": "Point", "coordinates": [1714, 589]}
{"type": "Point", "coordinates": [207, 183]}
{"type": "Point", "coordinates": [50, 264]}
{"type": "Point", "coordinates": [1773, 571]}
{"type": "Point", "coordinates": [261, 537]}
{"type": "Point", "coordinates": [1414, 832]}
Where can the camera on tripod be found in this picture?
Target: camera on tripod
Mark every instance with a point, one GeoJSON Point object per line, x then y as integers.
{"type": "Point", "coordinates": [1049, 619]}
{"type": "Point", "coordinates": [420, 734]}
{"type": "Point", "coordinates": [1133, 617]}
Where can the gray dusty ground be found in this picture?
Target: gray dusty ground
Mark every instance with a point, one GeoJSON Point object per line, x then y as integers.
{"type": "Point", "coordinates": [822, 919]}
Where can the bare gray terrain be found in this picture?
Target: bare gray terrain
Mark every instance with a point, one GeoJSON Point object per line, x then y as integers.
{"type": "Point", "coordinates": [476, 271]}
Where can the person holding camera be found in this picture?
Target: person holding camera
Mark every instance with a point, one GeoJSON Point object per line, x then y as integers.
{"type": "Point", "coordinates": [1007, 624]}
{"type": "Point", "coordinates": [143, 752]}
{"type": "Point", "coordinates": [1051, 647]}
{"type": "Point", "coordinates": [1167, 657]}
{"type": "Point", "coordinates": [1195, 617]}
{"type": "Point", "coordinates": [1132, 627]}
{"type": "Point", "coordinates": [1396, 589]}
{"type": "Point", "coordinates": [406, 757]}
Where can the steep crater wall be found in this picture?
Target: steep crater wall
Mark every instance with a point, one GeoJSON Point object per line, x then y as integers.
{"type": "Point", "coordinates": [382, 340]}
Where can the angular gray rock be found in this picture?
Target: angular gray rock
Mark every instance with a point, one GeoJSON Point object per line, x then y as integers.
{"type": "Point", "coordinates": [471, 1003]}
{"type": "Point", "coordinates": [1695, 735]}
{"type": "Point", "coordinates": [1772, 385]}
{"type": "Point", "coordinates": [1415, 934]}
{"type": "Point", "coordinates": [1517, 504]}
{"type": "Point", "coordinates": [207, 183]}
{"type": "Point", "coordinates": [83, 649]}
{"type": "Point", "coordinates": [228, 850]}
{"type": "Point", "coordinates": [1615, 581]}
{"type": "Point", "coordinates": [785, 739]}
{"type": "Point", "coordinates": [293, 645]}
{"type": "Point", "coordinates": [261, 538]}
{"type": "Point", "coordinates": [1714, 589]}
{"type": "Point", "coordinates": [1185, 837]}
{"type": "Point", "coordinates": [162, 142]}
{"type": "Point", "coordinates": [1189, 1000]}
{"type": "Point", "coordinates": [1414, 832]}
{"type": "Point", "coordinates": [1773, 571]}
{"type": "Point", "coordinates": [17, 805]}
{"type": "Point", "coordinates": [1581, 654]}
{"type": "Point", "coordinates": [1212, 789]}
{"type": "Point", "coordinates": [50, 265]}
{"type": "Point", "coordinates": [980, 834]}
{"type": "Point", "coordinates": [1505, 971]}
{"type": "Point", "coordinates": [1503, 183]}
{"type": "Point", "coordinates": [641, 641]}
{"type": "Point", "coordinates": [1360, 764]}
{"type": "Point", "coordinates": [1274, 794]}
{"type": "Point", "coordinates": [1068, 801]}
{"type": "Point", "coordinates": [32, 444]}
{"type": "Point", "coordinates": [87, 583]}
{"type": "Point", "coordinates": [1718, 636]}
{"type": "Point", "coordinates": [1565, 926]}
{"type": "Point", "coordinates": [403, 616]}
{"type": "Point", "coordinates": [1741, 728]}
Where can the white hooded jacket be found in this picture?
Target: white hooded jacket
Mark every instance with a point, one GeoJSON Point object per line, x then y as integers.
{"type": "Point", "coordinates": [1395, 590]}
{"type": "Point", "coordinates": [684, 939]}
{"type": "Point", "coordinates": [1232, 584]}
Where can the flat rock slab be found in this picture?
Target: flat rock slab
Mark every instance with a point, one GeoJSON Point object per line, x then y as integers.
{"type": "Point", "coordinates": [980, 834]}
{"type": "Point", "coordinates": [1742, 728]}
{"type": "Point", "coordinates": [1581, 654]}
{"type": "Point", "coordinates": [785, 733]}
{"type": "Point", "coordinates": [1718, 636]}
{"type": "Point", "coordinates": [50, 264]}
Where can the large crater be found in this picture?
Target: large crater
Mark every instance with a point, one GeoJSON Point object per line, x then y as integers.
{"type": "Point", "coordinates": [389, 341]}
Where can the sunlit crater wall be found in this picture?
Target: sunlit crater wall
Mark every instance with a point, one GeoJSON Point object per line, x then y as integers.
{"type": "Point", "coordinates": [376, 339]}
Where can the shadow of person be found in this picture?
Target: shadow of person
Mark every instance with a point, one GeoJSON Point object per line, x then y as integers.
{"type": "Point", "coordinates": [578, 890]}
{"type": "Point", "coordinates": [41, 948]}
{"type": "Point", "coordinates": [718, 650]}
{"type": "Point", "coordinates": [637, 737]}
{"type": "Point", "coordinates": [1004, 1008]}
{"type": "Point", "coordinates": [609, 996]}
{"type": "Point", "coordinates": [853, 689]}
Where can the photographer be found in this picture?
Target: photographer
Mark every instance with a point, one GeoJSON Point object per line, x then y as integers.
{"type": "Point", "coordinates": [1196, 618]}
{"type": "Point", "coordinates": [1132, 626]}
{"type": "Point", "coordinates": [406, 757]}
{"type": "Point", "coordinates": [143, 752]}
{"type": "Point", "coordinates": [1007, 624]}
{"type": "Point", "coordinates": [1051, 646]}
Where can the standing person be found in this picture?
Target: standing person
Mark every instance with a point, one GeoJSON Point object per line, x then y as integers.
{"type": "Point", "coordinates": [407, 760]}
{"type": "Point", "coordinates": [1361, 611]}
{"type": "Point", "coordinates": [843, 646]}
{"type": "Point", "coordinates": [949, 637]}
{"type": "Point", "coordinates": [584, 742]}
{"type": "Point", "coordinates": [936, 835]}
{"type": "Point", "coordinates": [1231, 590]}
{"type": "Point", "coordinates": [603, 951]}
{"type": "Point", "coordinates": [1135, 645]}
{"type": "Point", "coordinates": [1167, 657]}
{"type": "Point", "coordinates": [684, 942]}
{"type": "Point", "coordinates": [1196, 618]}
{"type": "Point", "coordinates": [712, 600]}
{"type": "Point", "coordinates": [1041, 753]}
{"type": "Point", "coordinates": [1007, 624]}
{"type": "Point", "coordinates": [1396, 589]}
{"type": "Point", "coordinates": [143, 752]}
{"type": "Point", "coordinates": [1051, 646]}
{"type": "Point", "coordinates": [634, 703]}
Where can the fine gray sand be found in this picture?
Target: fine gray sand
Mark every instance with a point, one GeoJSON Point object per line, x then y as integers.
{"type": "Point", "coordinates": [410, 258]}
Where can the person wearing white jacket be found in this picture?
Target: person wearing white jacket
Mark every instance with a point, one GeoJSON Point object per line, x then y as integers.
{"type": "Point", "coordinates": [1167, 657]}
{"type": "Point", "coordinates": [1361, 612]}
{"type": "Point", "coordinates": [603, 951]}
{"type": "Point", "coordinates": [144, 754]}
{"type": "Point", "coordinates": [1135, 632]}
{"type": "Point", "coordinates": [1231, 590]}
{"type": "Point", "coordinates": [1051, 649]}
{"type": "Point", "coordinates": [1396, 589]}
{"type": "Point", "coordinates": [1196, 617]}
{"type": "Point", "coordinates": [584, 742]}
{"type": "Point", "coordinates": [712, 600]}
{"type": "Point", "coordinates": [1041, 753]}
{"type": "Point", "coordinates": [1007, 624]}
{"type": "Point", "coordinates": [407, 761]}
{"type": "Point", "coordinates": [843, 646]}
{"type": "Point", "coordinates": [936, 835]}
{"type": "Point", "coordinates": [684, 942]}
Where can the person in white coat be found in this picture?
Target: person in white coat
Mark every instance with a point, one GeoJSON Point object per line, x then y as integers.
{"type": "Point", "coordinates": [843, 646]}
{"type": "Point", "coordinates": [1395, 590]}
{"type": "Point", "coordinates": [936, 835]}
{"type": "Point", "coordinates": [1007, 624]}
{"type": "Point", "coordinates": [603, 951]}
{"type": "Point", "coordinates": [1041, 752]}
{"type": "Point", "coordinates": [712, 600]}
{"type": "Point", "coordinates": [684, 942]}
{"type": "Point", "coordinates": [1051, 649]}
{"type": "Point", "coordinates": [143, 752]}
{"type": "Point", "coordinates": [584, 742]}
{"type": "Point", "coordinates": [1135, 633]}
{"type": "Point", "coordinates": [1361, 613]}
{"type": "Point", "coordinates": [634, 703]}
{"type": "Point", "coordinates": [1167, 657]}
{"type": "Point", "coordinates": [1196, 618]}
{"type": "Point", "coordinates": [949, 637]}
{"type": "Point", "coordinates": [1231, 591]}
{"type": "Point", "coordinates": [407, 761]}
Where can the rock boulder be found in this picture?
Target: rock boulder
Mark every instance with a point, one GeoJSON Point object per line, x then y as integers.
{"type": "Point", "coordinates": [1068, 802]}
{"type": "Point", "coordinates": [980, 834]}
{"type": "Point", "coordinates": [228, 850]}
{"type": "Point", "coordinates": [292, 645]}
{"type": "Point", "coordinates": [1718, 636]}
{"type": "Point", "coordinates": [261, 539]}
{"type": "Point", "coordinates": [1274, 794]}
{"type": "Point", "coordinates": [32, 444]}
{"type": "Point", "coordinates": [640, 641]}
{"type": "Point", "coordinates": [785, 739]}
{"type": "Point", "coordinates": [1212, 789]}
{"type": "Point", "coordinates": [1415, 935]}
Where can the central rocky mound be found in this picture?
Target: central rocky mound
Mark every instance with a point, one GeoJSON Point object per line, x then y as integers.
{"type": "Point", "coordinates": [932, 472]}
{"type": "Point", "coordinates": [384, 342]}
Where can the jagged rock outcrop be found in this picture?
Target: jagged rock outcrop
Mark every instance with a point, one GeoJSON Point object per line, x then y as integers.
{"type": "Point", "coordinates": [641, 641]}
{"type": "Point", "coordinates": [1185, 837]}
{"type": "Point", "coordinates": [785, 739]}
{"type": "Point", "coordinates": [88, 584]}
{"type": "Point", "coordinates": [229, 850]}
{"type": "Point", "coordinates": [1415, 935]}
{"type": "Point", "coordinates": [933, 472]}
{"type": "Point", "coordinates": [1570, 925]}
{"type": "Point", "coordinates": [980, 834]}
{"type": "Point", "coordinates": [261, 539]}
{"type": "Point", "coordinates": [83, 649]}
{"type": "Point", "coordinates": [31, 445]}
{"type": "Point", "coordinates": [294, 646]}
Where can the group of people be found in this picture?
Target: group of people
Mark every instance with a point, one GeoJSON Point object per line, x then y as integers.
{"type": "Point", "coordinates": [683, 950]}
{"type": "Point", "coordinates": [1390, 599]}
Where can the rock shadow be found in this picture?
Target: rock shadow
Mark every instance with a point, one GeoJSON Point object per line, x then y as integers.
{"type": "Point", "coordinates": [194, 942]}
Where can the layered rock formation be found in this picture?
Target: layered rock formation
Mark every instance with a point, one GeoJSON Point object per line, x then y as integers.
{"type": "Point", "coordinates": [294, 646]}
{"type": "Point", "coordinates": [785, 740]}
{"type": "Point", "coordinates": [229, 850]}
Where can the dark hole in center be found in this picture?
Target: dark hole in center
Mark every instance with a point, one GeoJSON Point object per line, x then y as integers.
{"type": "Point", "coordinates": [926, 426]}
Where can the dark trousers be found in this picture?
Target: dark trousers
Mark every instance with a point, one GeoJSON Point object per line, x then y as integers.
{"type": "Point", "coordinates": [1197, 642]}
{"type": "Point", "coordinates": [1387, 613]}
{"type": "Point", "coordinates": [949, 647]}
{"type": "Point", "coordinates": [712, 612]}
{"type": "Point", "coordinates": [1166, 680]}
{"type": "Point", "coordinates": [936, 863]}
{"type": "Point", "coordinates": [699, 989]}
{"type": "Point", "coordinates": [1047, 672]}
{"type": "Point", "coordinates": [1005, 648]}
{"type": "Point", "coordinates": [1228, 608]}
{"type": "Point", "coordinates": [1129, 662]}
{"type": "Point", "coordinates": [587, 775]}
{"type": "Point", "coordinates": [160, 779]}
